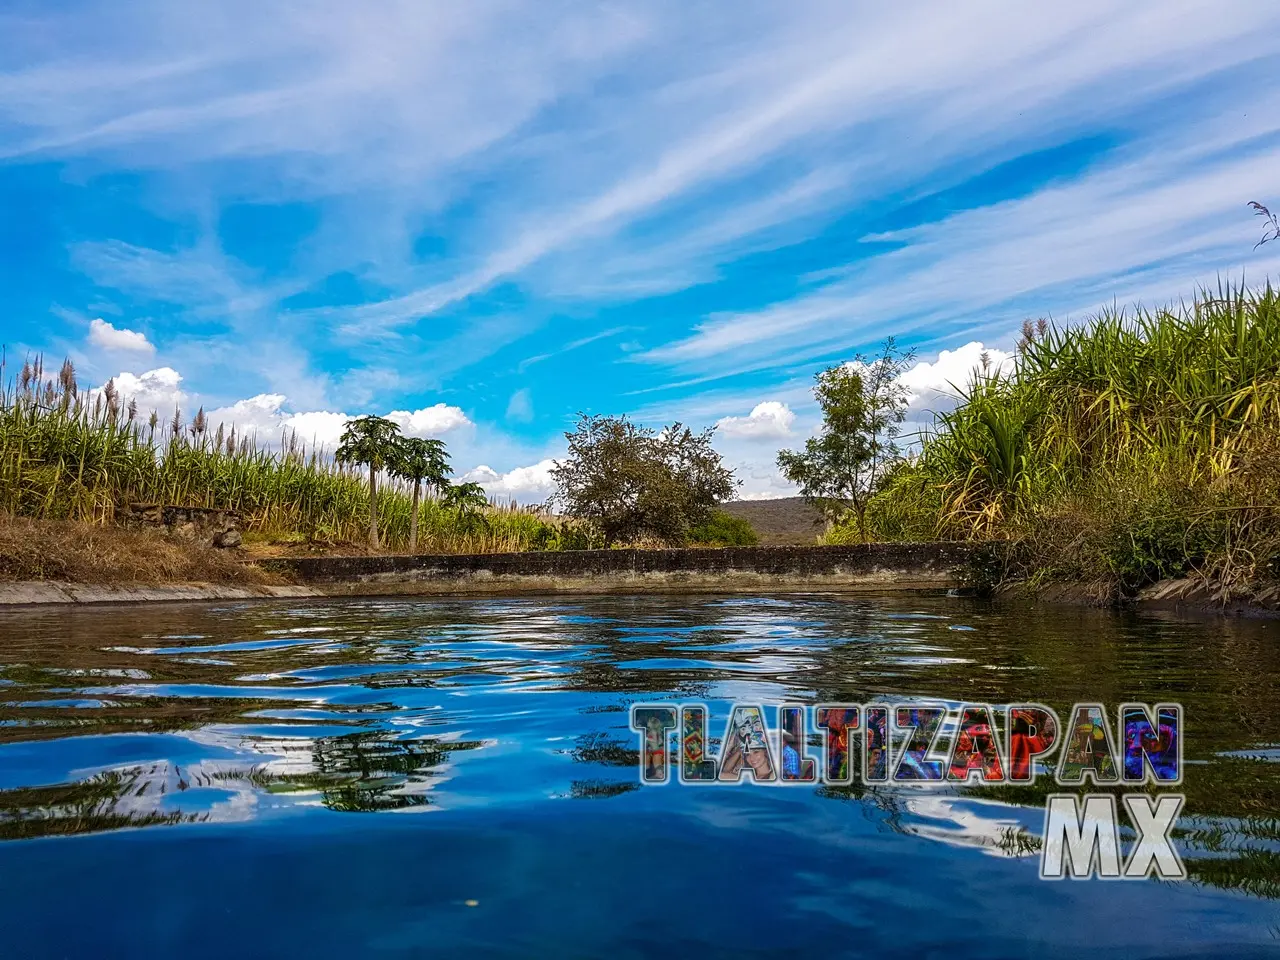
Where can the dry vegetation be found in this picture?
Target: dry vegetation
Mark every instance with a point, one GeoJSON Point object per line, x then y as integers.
{"type": "Point", "coordinates": [787, 521]}
{"type": "Point", "coordinates": [77, 552]}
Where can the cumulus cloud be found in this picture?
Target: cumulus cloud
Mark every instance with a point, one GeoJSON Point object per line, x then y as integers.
{"type": "Point", "coordinates": [933, 385]}
{"type": "Point", "coordinates": [266, 415]}
{"type": "Point", "coordinates": [157, 390]}
{"type": "Point", "coordinates": [107, 337]}
{"type": "Point", "coordinates": [762, 481]}
{"type": "Point", "coordinates": [257, 415]}
{"type": "Point", "coordinates": [767, 420]}
{"type": "Point", "coordinates": [429, 421]}
{"type": "Point", "coordinates": [532, 484]}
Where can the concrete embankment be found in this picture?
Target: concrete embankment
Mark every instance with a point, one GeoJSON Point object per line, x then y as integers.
{"type": "Point", "coordinates": [25, 593]}
{"type": "Point", "coordinates": [862, 568]}
{"type": "Point", "coordinates": [887, 566]}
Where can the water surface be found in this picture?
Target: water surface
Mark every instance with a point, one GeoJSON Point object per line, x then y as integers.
{"type": "Point", "coordinates": [456, 777]}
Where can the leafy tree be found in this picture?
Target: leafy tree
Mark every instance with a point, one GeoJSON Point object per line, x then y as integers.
{"type": "Point", "coordinates": [632, 483]}
{"type": "Point", "coordinates": [371, 441]}
{"type": "Point", "coordinates": [863, 403]}
{"type": "Point", "coordinates": [723, 529]}
{"type": "Point", "coordinates": [420, 461]}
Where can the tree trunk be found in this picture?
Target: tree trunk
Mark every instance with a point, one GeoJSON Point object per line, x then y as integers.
{"type": "Point", "coordinates": [413, 519]}
{"type": "Point", "coordinates": [373, 507]}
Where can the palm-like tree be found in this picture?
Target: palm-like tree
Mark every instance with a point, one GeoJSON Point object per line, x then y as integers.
{"type": "Point", "coordinates": [468, 499]}
{"type": "Point", "coordinates": [373, 442]}
{"type": "Point", "coordinates": [420, 461]}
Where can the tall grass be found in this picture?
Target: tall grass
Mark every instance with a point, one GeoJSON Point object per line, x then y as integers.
{"type": "Point", "coordinates": [1139, 445]}
{"type": "Point", "coordinates": [68, 455]}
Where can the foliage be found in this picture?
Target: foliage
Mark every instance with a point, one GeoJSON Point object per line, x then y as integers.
{"type": "Point", "coordinates": [420, 461]}
{"type": "Point", "coordinates": [633, 484]}
{"type": "Point", "coordinates": [723, 529]}
{"type": "Point", "coordinates": [466, 497]}
{"type": "Point", "coordinates": [1133, 448]}
{"type": "Point", "coordinates": [863, 405]}
{"type": "Point", "coordinates": [467, 501]}
{"type": "Point", "coordinates": [70, 455]}
{"type": "Point", "coordinates": [372, 441]}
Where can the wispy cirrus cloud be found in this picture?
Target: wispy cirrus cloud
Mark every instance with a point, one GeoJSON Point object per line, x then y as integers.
{"type": "Point", "coordinates": [1140, 230]}
{"type": "Point", "coordinates": [349, 206]}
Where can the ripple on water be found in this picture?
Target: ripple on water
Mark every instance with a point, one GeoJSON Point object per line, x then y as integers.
{"type": "Point", "coordinates": [313, 718]}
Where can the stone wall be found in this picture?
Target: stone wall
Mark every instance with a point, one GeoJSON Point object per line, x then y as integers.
{"type": "Point", "coordinates": [221, 528]}
{"type": "Point", "coordinates": [880, 566]}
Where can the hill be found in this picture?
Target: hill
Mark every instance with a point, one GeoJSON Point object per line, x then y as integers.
{"type": "Point", "coordinates": [788, 520]}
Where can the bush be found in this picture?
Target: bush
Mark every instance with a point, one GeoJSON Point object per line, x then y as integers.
{"type": "Point", "coordinates": [724, 530]}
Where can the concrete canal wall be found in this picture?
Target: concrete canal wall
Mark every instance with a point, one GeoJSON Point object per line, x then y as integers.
{"type": "Point", "coordinates": [895, 566]}
{"type": "Point", "coordinates": [866, 568]}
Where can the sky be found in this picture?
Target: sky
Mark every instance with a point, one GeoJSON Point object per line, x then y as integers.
{"type": "Point", "coordinates": [481, 219]}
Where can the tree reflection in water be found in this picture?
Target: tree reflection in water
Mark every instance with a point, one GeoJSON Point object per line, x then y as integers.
{"type": "Point", "coordinates": [360, 706]}
{"type": "Point", "coordinates": [357, 773]}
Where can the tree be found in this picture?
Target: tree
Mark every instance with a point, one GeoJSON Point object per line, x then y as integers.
{"type": "Point", "coordinates": [468, 500]}
{"type": "Point", "coordinates": [862, 406]}
{"type": "Point", "coordinates": [420, 461]}
{"type": "Point", "coordinates": [371, 441]}
{"type": "Point", "coordinates": [632, 483]}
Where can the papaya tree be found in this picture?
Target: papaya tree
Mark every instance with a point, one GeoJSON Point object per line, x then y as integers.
{"type": "Point", "coordinates": [468, 500]}
{"type": "Point", "coordinates": [420, 461]}
{"type": "Point", "coordinates": [371, 441]}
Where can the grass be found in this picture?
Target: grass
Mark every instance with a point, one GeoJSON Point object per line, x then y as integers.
{"type": "Point", "coordinates": [70, 456]}
{"type": "Point", "coordinates": [1138, 446]}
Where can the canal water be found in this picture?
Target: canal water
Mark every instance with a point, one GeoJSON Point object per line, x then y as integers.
{"type": "Point", "coordinates": [438, 777]}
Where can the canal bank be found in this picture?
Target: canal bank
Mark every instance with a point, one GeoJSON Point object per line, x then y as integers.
{"type": "Point", "coordinates": [890, 567]}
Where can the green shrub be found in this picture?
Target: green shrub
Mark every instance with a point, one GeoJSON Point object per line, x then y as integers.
{"type": "Point", "coordinates": [724, 529]}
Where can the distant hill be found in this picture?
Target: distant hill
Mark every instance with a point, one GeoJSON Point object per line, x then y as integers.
{"type": "Point", "coordinates": [779, 522]}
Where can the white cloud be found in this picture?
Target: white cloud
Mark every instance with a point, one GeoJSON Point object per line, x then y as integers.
{"type": "Point", "coordinates": [156, 390]}
{"type": "Point", "coordinates": [107, 337]}
{"type": "Point", "coordinates": [430, 421]}
{"type": "Point", "coordinates": [1131, 231]}
{"type": "Point", "coordinates": [532, 484]}
{"type": "Point", "coordinates": [520, 406]}
{"type": "Point", "coordinates": [320, 428]}
{"type": "Point", "coordinates": [767, 420]}
{"type": "Point", "coordinates": [265, 415]}
{"type": "Point", "coordinates": [935, 384]}
{"type": "Point", "coordinates": [761, 480]}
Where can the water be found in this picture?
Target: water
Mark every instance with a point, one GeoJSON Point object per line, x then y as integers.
{"type": "Point", "coordinates": [457, 777]}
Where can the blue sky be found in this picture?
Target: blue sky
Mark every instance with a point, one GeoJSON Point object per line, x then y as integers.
{"type": "Point", "coordinates": [482, 218]}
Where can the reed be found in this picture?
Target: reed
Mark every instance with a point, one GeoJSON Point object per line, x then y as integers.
{"type": "Point", "coordinates": [70, 455]}
{"type": "Point", "coordinates": [1139, 445]}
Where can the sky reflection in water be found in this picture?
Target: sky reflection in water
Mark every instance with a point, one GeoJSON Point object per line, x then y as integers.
{"type": "Point", "coordinates": [259, 767]}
